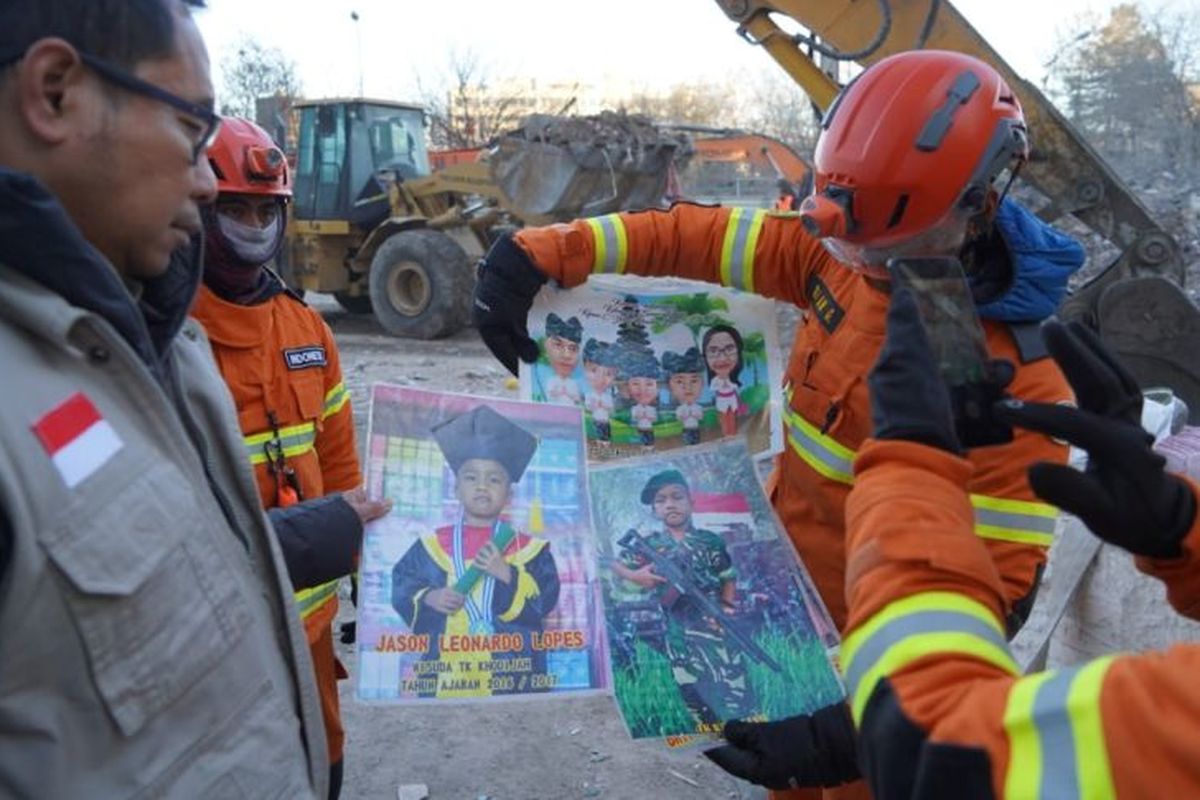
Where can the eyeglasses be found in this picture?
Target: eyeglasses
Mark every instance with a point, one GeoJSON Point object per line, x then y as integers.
{"type": "Point", "coordinates": [113, 74]}
{"type": "Point", "coordinates": [209, 120]}
{"type": "Point", "coordinates": [719, 351]}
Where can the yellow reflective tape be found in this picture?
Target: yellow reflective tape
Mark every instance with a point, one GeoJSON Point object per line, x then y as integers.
{"type": "Point", "coordinates": [921, 645]}
{"type": "Point", "coordinates": [611, 243]}
{"type": "Point", "coordinates": [924, 601]}
{"type": "Point", "coordinates": [756, 226]}
{"type": "Point", "coordinates": [309, 600]}
{"type": "Point", "coordinates": [1030, 508]}
{"type": "Point", "coordinates": [295, 440]}
{"type": "Point", "coordinates": [1024, 774]}
{"type": "Point", "coordinates": [1091, 749]}
{"type": "Point", "coordinates": [599, 244]}
{"type": "Point", "coordinates": [1006, 519]}
{"type": "Point", "coordinates": [335, 400]}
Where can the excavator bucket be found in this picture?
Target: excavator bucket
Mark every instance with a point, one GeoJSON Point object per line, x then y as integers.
{"type": "Point", "coordinates": [567, 167]}
{"type": "Point", "coordinates": [1154, 329]}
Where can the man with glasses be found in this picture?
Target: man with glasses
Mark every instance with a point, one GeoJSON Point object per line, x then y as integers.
{"type": "Point", "coordinates": [150, 646]}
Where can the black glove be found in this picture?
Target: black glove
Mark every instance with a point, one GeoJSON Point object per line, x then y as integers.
{"type": "Point", "coordinates": [803, 751]}
{"type": "Point", "coordinates": [1123, 496]}
{"type": "Point", "coordinates": [506, 283]}
{"type": "Point", "coordinates": [909, 399]}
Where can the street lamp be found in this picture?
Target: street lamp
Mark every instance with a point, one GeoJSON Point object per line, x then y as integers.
{"type": "Point", "coordinates": [358, 36]}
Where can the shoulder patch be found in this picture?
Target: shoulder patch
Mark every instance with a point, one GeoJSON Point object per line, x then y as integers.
{"type": "Point", "coordinates": [312, 355]}
{"type": "Point", "coordinates": [823, 304]}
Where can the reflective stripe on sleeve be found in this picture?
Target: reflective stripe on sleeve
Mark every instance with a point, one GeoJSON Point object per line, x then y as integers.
{"type": "Point", "coordinates": [309, 600]}
{"type": "Point", "coordinates": [737, 249]}
{"type": "Point", "coordinates": [914, 627]}
{"type": "Point", "coordinates": [335, 399]}
{"type": "Point", "coordinates": [1002, 518]}
{"type": "Point", "coordinates": [1056, 735]}
{"type": "Point", "coordinates": [1023, 521]}
{"type": "Point", "coordinates": [611, 244]}
{"type": "Point", "coordinates": [296, 440]}
{"type": "Point", "coordinates": [823, 453]}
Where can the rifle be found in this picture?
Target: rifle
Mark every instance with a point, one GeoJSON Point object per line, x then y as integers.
{"type": "Point", "coordinates": [680, 579]}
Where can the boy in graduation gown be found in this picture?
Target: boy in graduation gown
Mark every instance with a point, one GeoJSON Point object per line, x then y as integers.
{"type": "Point", "coordinates": [487, 623]}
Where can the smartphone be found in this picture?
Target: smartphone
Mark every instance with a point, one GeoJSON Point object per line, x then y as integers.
{"type": "Point", "coordinates": [959, 345]}
{"type": "Point", "coordinates": [947, 310]}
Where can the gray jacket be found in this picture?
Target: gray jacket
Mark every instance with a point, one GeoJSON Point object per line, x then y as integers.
{"type": "Point", "coordinates": [150, 644]}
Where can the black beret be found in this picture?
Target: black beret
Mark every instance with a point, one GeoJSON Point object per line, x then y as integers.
{"type": "Point", "coordinates": [669, 477]}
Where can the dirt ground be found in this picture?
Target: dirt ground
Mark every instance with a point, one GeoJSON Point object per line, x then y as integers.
{"type": "Point", "coordinates": [518, 750]}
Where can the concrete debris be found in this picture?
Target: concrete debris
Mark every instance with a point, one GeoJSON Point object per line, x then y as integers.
{"type": "Point", "coordinates": [412, 791]}
{"type": "Point", "coordinates": [683, 778]}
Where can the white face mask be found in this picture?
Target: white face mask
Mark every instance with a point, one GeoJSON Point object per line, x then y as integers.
{"type": "Point", "coordinates": [255, 245]}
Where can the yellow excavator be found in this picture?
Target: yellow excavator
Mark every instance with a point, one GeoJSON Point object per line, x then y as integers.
{"type": "Point", "coordinates": [1137, 302]}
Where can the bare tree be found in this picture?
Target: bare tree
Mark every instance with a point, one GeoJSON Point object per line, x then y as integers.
{"type": "Point", "coordinates": [779, 108]}
{"type": "Point", "coordinates": [465, 107]}
{"type": "Point", "coordinates": [685, 103]}
{"type": "Point", "coordinates": [1125, 82]}
{"type": "Point", "coordinates": [260, 83]}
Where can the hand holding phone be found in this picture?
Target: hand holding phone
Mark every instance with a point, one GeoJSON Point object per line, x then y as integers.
{"type": "Point", "coordinates": [958, 344]}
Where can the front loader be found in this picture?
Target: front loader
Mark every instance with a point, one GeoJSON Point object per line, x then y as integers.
{"type": "Point", "coordinates": [373, 225]}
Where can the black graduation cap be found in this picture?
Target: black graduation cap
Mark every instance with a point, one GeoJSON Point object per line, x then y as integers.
{"type": "Point", "coordinates": [669, 477]}
{"type": "Point", "coordinates": [484, 433]}
{"type": "Point", "coordinates": [570, 328]}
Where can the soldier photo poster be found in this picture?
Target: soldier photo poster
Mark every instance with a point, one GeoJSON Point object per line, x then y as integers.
{"type": "Point", "coordinates": [481, 582]}
{"type": "Point", "coordinates": [658, 364]}
{"type": "Point", "coordinates": [710, 614]}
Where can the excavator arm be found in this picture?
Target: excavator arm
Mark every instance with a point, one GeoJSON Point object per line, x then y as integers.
{"type": "Point", "coordinates": [1137, 302]}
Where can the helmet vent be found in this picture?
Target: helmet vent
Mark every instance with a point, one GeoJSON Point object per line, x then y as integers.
{"type": "Point", "coordinates": [898, 211]}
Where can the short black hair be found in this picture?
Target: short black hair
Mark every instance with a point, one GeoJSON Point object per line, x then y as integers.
{"type": "Point", "coordinates": [122, 32]}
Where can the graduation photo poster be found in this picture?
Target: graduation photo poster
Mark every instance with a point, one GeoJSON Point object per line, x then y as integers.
{"type": "Point", "coordinates": [710, 614]}
{"type": "Point", "coordinates": [481, 582]}
{"type": "Point", "coordinates": [658, 363]}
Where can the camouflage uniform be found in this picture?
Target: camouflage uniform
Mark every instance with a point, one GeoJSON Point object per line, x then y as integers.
{"type": "Point", "coordinates": [711, 676]}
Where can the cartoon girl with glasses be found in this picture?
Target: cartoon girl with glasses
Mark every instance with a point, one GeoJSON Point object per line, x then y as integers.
{"type": "Point", "coordinates": [722, 347]}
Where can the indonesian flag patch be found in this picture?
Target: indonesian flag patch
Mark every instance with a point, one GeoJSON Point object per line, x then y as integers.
{"type": "Point", "coordinates": [78, 439]}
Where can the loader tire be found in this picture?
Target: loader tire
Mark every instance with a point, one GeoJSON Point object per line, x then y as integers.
{"type": "Point", "coordinates": [354, 303]}
{"type": "Point", "coordinates": [420, 284]}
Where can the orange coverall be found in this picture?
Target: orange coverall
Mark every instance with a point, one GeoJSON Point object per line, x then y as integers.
{"type": "Point", "coordinates": [827, 414]}
{"type": "Point", "coordinates": [278, 357]}
{"type": "Point", "coordinates": [941, 707]}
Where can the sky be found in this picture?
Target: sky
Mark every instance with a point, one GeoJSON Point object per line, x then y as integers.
{"type": "Point", "coordinates": [647, 44]}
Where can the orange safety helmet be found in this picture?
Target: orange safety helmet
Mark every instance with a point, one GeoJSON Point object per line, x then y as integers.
{"type": "Point", "coordinates": [908, 153]}
{"type": "Point", "coordinates": [247, 161]}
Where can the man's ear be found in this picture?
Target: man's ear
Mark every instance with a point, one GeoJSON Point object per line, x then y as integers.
{"type": "Point", "coordinates": [49, 81]}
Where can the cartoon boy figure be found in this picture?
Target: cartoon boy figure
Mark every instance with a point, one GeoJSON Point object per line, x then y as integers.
{"type": "Point", "coordinates": [685, 380]}
{"type": "Point", "coordinates": [562, 351]}
{"type": "Point", "coordinates": [600, 369]}
{"type": "Point", "coordinates": [479, 578]}
{"type": "Point", "coordinates": [641, 380]}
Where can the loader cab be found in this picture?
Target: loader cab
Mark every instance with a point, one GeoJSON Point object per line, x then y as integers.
{"type": "Point", "coordinates": [343, 146]}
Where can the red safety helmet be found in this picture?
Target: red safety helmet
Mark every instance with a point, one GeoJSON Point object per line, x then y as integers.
{"type": "Point", "coordinates": [246, 161]}
{"type": "Point", "coordinates": [908, 153]}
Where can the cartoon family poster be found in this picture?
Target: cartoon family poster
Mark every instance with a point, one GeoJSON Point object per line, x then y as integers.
{"type": "Point", "coordinates": [658, 364]}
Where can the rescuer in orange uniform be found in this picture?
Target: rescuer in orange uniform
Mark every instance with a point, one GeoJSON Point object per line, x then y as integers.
{"type": "Point", "coordinates": [281, 364]}
{"type": "Point", "coordinates": [942, 708]}
{"type": "Point", "coordinates": [909, 163]}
